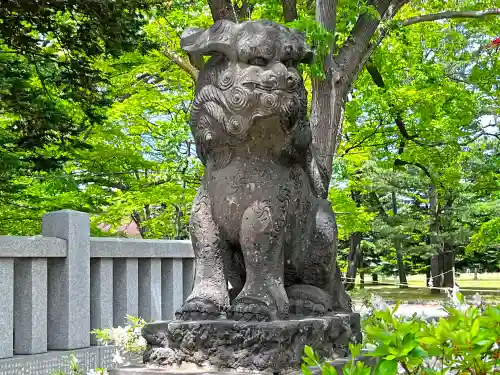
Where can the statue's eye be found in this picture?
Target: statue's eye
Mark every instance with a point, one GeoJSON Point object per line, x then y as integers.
{"type": "Point", "coordinates": [259, 61]}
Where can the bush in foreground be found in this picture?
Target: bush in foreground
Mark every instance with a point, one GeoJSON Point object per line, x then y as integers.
{"type": "Point", "coordinates": [467, 341]}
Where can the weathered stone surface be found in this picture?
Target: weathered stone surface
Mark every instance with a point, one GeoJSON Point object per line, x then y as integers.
{"type": "Point", "coordinates": [55, 361]}
{"type": "Point", "coordinates": [258, 346]}
{"type": "Point", "coordinates": [68, 293]}
{"type": "Point", "coordinates": [338, 364]}
{"type": "Point", "coordinates": [154, 370]}
{"type": "Point", "coordinates": [261, 219]}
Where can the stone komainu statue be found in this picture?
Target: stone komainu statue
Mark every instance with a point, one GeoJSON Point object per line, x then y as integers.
{"type": "Point", "coordinates": [260, 220]}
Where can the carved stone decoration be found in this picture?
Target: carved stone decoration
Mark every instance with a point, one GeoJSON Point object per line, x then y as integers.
{"type": "Point", "coordinates": [261, 221]}
{"type": "Point", "coordinates": [275, 347]}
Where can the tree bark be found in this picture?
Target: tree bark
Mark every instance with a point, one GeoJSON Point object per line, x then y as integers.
{"type": "Point", "coordinates": [354, 258]}
{"type": "Point", "coordinates": [222, 10]}
{"type": "Point", "coordinates": [289, 10]}
{"type": "Point", "coordinates": [330, 95]}
{"type": "Point", "coordinates": [436, 261]}
{"type": "Point", "coordinates": [448, 267]}
{"type": "Point", "coordinates": [375, 278]}
{"type": "Point", "coordinates": [403, 283]}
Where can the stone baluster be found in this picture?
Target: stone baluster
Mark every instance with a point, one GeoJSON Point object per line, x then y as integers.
{"type": "Point", "coordinates": [150, 289]}
{"type": "Point", "coordinates": [125, 289]}
{"type": "Point", "coordinates": [172, 287]}
{"type": "Point", "coordinates": [7, 307]}
{"type": "Point", "coordinates": [30, 306]}
{"type": "Point", "coordinates": [101, 294]}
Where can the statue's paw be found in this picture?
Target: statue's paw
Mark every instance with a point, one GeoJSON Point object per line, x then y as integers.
{"type": "Point", "coordinates": [308, 300]}
{"type": "Point", "coordinates": [303, 307]}
{"type": "Point", "coordinates": [199, 309]}
{"type": "Point", "coordinates": [250, 310]}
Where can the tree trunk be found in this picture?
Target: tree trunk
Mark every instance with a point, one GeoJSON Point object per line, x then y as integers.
{"type": "Point", "coordinates": [403, 283]}
{"type": "Point", "coordinates": [375, 278]}
{"type": "Point", "coordinates": [353, 259]}
{"type": "Point", "coordinates": [436, 260]}
{"type": "Point", "coordinates": [437, 278]}
{"type": "Point", "coordinates": [448, 268]}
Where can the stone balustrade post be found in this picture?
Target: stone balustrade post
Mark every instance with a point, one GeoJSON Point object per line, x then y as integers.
{"type": "Point", "coordinates": [68, 300]}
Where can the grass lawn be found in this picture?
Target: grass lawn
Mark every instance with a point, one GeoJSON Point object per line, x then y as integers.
{"type": "Point", "coordinates": [488, 286]}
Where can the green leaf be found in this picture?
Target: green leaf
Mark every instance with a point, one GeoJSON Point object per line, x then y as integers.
{"type": "Point", "coordinates": [387, 367]}
{"type": "Point", "coordinates": [420, 352]}
{"type": "Point", "coordinates": [309, 352]}
{"type": "Point", "coordinates": [305, 370]}
{"type": "Point", "coordinates": [474, 331]}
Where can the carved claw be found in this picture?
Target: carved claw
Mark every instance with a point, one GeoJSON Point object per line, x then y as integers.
{"type": "Point", "coordinates": [249, 310]}
{"type": "Point", "coordinates": [199, 309]}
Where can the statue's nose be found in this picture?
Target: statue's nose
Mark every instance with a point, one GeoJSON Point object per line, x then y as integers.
{"type": "Point", "coordinates": [281, 73]}
{"type": "Point", "coordinates": [286, 78]}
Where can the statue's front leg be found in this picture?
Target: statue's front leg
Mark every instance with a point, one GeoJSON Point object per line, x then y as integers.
{"type": "Point", "coordinates": [261, 237]}
{"type": "Point", "coordinates": [209, 297]}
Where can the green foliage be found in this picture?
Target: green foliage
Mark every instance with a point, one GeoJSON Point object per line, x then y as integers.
{"type": "Point", "coordinates": [311, 359]}
{"type": "Point", "coordinates": [317, 37]}
{"type": "Point", "coordinates": [128, 339]}
{"type": "Point", "coordinates": [467, 341]}
{"type": "Point", "coordinates": [76, 370]}
{"type": "Point", "coordinates": [94, 116]}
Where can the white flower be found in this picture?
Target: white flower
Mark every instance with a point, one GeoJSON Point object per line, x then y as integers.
{"type": "Point", "coordinates": [378, 303]}
{"type": "Point", "coordinates": [370, 347]}
{"type": "Point", "coordinates": [141, 341]}
{"type": "Point", "coordinates": [430, 283]}
{"type": "Point", "coordinates": [119, 336]}
{"type": "Point", "coordinates": [92, 372]}
{"type": "Point", "coordinates": [476, 300]}
{"type": "Point", "coordinates": [495, 347]}
{"type": "Point", "coordinates": [117, 358]}
{"type": "Point", "coordinates": [456, 289]}
{"type": "Point", "coordinates": [138, 331]}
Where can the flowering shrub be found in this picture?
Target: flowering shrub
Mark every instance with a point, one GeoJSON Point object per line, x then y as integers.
{"type": "Point", "coordinates": [467, 341]}
{"type": "Point", "coordinates": [75, 369]}
{"type": "Point", "coordinates": [127, 339]}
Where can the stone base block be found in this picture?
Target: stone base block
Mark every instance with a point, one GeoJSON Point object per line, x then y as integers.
{"type": "Point", "coordinates": [273, 347]}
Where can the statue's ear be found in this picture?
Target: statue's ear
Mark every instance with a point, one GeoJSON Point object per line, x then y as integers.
{"type": "Point", "coordinates": [218, 38]}
{"type": "Point", "coordinates": [307, 56]}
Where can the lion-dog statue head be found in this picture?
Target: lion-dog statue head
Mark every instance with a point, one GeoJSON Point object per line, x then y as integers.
{"type": "Point", "coordinates": [252, 74]}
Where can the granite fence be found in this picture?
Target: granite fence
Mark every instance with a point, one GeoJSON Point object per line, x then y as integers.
{"type": "Point", "coordinates": [57, 287]}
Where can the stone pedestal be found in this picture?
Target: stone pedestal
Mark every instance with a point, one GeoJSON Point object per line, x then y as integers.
{"type": "Point", "coordinates": [273, 347]}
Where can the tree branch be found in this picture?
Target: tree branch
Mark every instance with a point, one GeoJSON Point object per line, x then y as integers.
{"type": "Point", "coordinates": [449, 15]}
{"type": "Point", "coordinates": [379, 81]}
{"type": "Point", "coordinates": [181, 63]}
{"type": "Point", "coordinates": [245, 11]}
{"type": "Point", "coordinates": [222, 10]}
{"type": "Point", "coordinates": [289, 10]}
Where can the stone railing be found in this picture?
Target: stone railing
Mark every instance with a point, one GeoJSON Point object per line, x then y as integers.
{"type": "Point", "coordinates": [57, 287]}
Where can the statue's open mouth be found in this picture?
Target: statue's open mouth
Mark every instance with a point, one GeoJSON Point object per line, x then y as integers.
{"type": "Point", "coordinates": [270, 86]}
